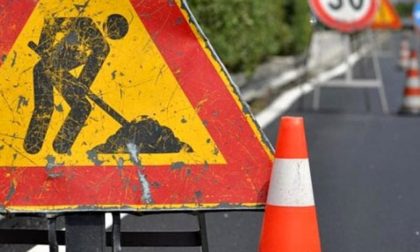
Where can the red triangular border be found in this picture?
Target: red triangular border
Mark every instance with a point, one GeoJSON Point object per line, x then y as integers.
{"type": "Point", "coordinates": [241, 183]}
{"type": "Point", "coordinates": [13, 16]}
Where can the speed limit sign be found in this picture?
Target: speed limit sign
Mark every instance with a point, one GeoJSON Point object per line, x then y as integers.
{"type": "Point", "coordinates": [345, 15]}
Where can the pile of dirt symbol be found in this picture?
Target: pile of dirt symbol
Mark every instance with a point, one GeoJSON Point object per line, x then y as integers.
{"type": "Point", "coordinates": [147, 134]}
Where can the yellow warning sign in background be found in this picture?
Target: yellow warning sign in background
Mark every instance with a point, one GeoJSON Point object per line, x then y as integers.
{"type": "Point", "coordinates": [386, 17]}
{"type": "Point", "coordinates": [134, 80]}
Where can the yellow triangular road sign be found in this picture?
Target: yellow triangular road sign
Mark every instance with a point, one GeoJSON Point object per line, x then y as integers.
{"type": "Point", "coordinates": [120, 105]}
{"type": "Point", "coordinates": [386, 17]}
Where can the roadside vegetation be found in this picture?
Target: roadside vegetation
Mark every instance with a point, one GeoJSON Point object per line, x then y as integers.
{"type": "Point", "coordinates": [246, 32]}
{"type": "Point", "coordinates": [404, 9]}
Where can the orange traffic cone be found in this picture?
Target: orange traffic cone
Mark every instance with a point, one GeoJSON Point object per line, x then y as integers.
{"type": "Point", "coordinates": [404, 53]}
{"type": "Point", "coordinates": [411, 100]}
{"type": "Point", "coordinates": [290, 222]}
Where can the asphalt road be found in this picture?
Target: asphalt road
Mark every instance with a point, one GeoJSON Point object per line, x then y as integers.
{"type": "Point", "coordinates": [366, 172]}
{"type": "Point", "coordinates": [365, 165]}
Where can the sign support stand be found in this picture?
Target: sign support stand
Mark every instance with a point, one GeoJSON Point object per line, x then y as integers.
{"type": "Point", "coordinates": [350, 82]}
{"type": "Point", "coordinates": [85, 232]}
{"type": "Point", "coordinates": [52, 233]}
{"type": "Point", "coordinates": [203, 231]}
{"type": "Point", "coordinates": [116, 232]}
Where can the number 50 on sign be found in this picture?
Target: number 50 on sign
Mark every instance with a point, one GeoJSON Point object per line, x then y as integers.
{"type": "Point", "coordinates": [345, 15]}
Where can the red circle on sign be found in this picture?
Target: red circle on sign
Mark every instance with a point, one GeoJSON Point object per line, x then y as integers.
{"type": "Point", "coordinates": [352, 26]}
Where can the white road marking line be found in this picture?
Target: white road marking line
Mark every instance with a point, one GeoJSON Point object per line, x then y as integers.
{"type": "Point", "coordinates": [287, 98]}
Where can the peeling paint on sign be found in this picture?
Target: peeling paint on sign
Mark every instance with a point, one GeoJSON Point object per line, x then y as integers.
{"type": "Point", "coordinates": [134, 152]}
{"type": "Point", "coordinates": [177, 165]}
{"type": "Point", "coordinates": [51, 165]}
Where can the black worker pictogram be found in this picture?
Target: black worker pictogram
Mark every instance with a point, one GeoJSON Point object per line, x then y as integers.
{"type": "Point", "coordinates": [81, 44]}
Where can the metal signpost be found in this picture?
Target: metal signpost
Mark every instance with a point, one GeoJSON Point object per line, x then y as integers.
{"type": "Point", "coordinates": [386, 18]}
{"type": "Point", "coordinates": [345, 15]}
{"type": "Point", "coordinates": [349, 16]}
{"type": "Point", "coordinates": [121, 106]}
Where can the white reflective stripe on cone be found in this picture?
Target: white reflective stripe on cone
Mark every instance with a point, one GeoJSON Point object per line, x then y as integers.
{"type": "Point", "coordinates": [404, 63]}
{"type": "Point", "coordinates": [412, 101]}
{"type": "Point", "coordinates": [291, 184]}
{"type": "Point", "coordinates": [413, 82]}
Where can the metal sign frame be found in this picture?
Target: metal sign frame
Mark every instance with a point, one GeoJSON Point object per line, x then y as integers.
{"type": "Point", "coordinates": [86, 232]}
{"type": "Point", "coordinates": [349, 81]}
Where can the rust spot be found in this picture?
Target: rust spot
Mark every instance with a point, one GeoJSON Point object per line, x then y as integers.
{"type": "Point", "coordinates": [12, 191]}
{"type": "Point", "coordinates": [59, 108]}
{"type": "Point", "coordinates": [81, 7]}
{"type": "Point", "coordinates": [177, 165]}
{"type": "Point", "coordinates": [155, 184]}
{"type": "Point", "coordinates": [51, 165]}
{"type": "Point", "coordinates": [23, 102]}
{"type": "Point", "coordinates": [171, 3]}
{"type": "Point", "coordinates": [179, 21]}
{"type": "Point", "coordinates": [215, 151]}
{"type": "Point", "coordinates": [120, 163]}
{"type": "Point", "coordinates": [198, 195]}
{"type": "Point", "coordinates": [14, 58]}
{"type": "Point", "coordinates": [93, 156]}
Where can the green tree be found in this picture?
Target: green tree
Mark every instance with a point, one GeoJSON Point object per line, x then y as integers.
{"type": "Point", "coordinates": [298, 20]}
{"type": "Point", "coordinates": [245, 32]}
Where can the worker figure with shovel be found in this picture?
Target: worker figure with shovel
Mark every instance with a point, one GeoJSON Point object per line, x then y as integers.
{"type": "Point", "coordinates": [67, 43]}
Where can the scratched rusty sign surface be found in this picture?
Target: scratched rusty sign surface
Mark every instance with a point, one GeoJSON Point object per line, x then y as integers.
{"type": "Point", "coordinates": [120, 105]}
